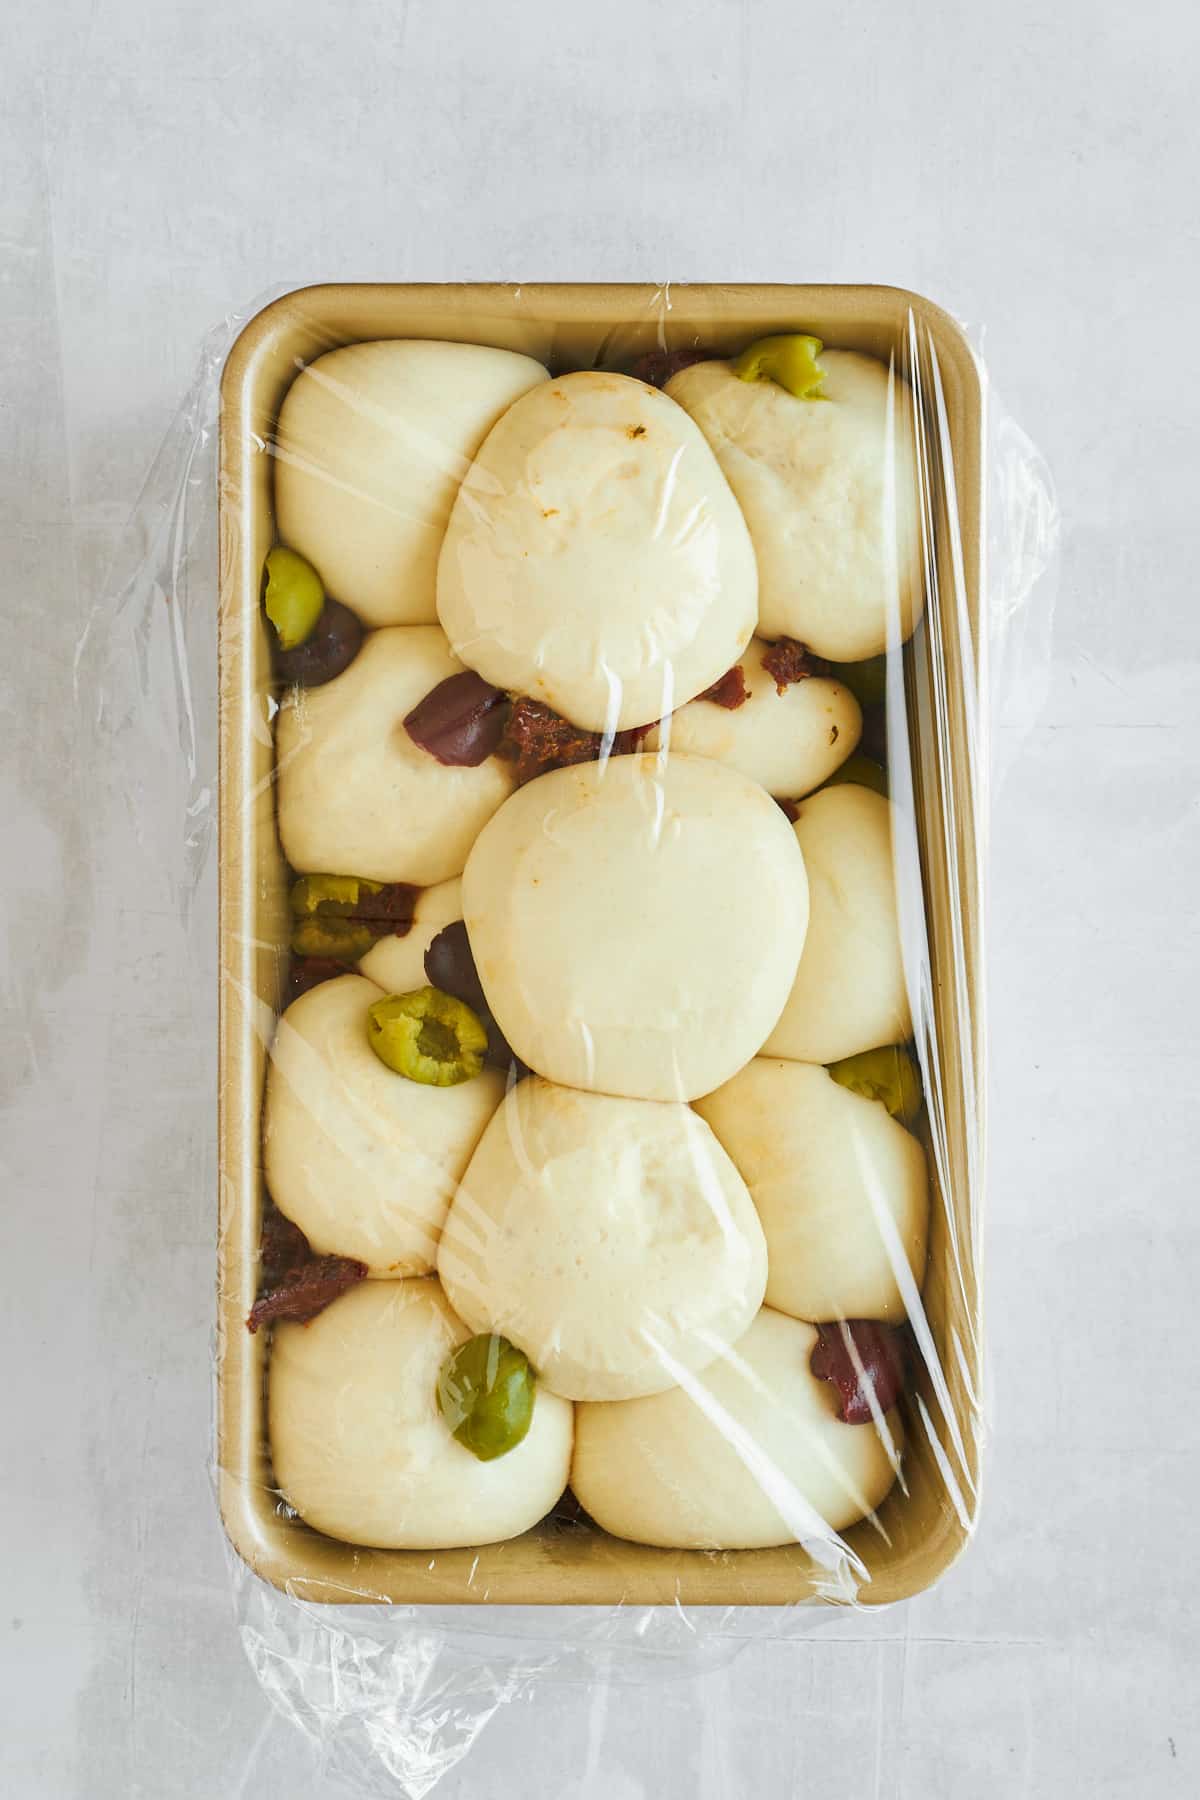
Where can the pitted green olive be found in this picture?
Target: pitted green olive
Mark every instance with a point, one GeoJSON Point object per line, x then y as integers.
{"type": "Point", "coordinates": [343, 939]}
{"type": "Point", "coordinates": [867, 680]}
{"type": "Point", "coordinates": [789, 359]}
{"type": "Point", "coordinates": [333, 896]}
{"type": "Point", "coordinates": [295, 596]}
{"type": "Point", "coordinates": [862, 772]}
{"type": "Point", "coordinates": [888, 1075]}
{"type": "Point", "coordinates": [427, 1036]}
{"type": "Point", "coordinates": [485, 1393]}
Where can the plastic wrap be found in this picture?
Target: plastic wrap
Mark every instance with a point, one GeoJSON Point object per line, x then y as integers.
{"type": "Point", "coordinates": [699, 582]}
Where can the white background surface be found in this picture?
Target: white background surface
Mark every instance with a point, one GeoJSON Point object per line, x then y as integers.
{"type": "Point", "coordinates": [1032, 167]}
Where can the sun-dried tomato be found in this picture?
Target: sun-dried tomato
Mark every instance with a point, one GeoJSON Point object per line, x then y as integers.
{"type": "Point", "coordinates": [788, 661]}
{"type": "Point", "coordinates": [731, 691]}
{"type": "Point", "coordinates": [293, 1283]}
{"type": "Point", "coordinates": [309, 971]}
{"type": "Point", "coordinates": [283, 1246]}
{"type": "Point", "coordinates": [307, 1290]}
{"type": "Point", "coordinates": [538, 740]}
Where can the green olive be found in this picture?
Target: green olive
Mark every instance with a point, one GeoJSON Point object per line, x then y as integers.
{"type": "Point", "coordinates": [333, 896]}
{"type": "Point", "coordinates": [485, 1393]}
{"type": "Point", "coordinates": [862, 772]}
{"type": "Point", "coordinates": [295, 597]}
{"type": "Point", "coordinates": [427, 1036]}
{"type": "Point", "coordinates": [789, 359]}
{"type": "Point", "coordinates": [867, 680]}
{"type": "Point", "coordinates": [343, 939]}
{"type": "Point", "coordinates": [888, 1075]}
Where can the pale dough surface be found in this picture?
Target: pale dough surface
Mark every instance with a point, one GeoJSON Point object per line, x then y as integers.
{"type": "Point", "coordinates": [595, 557]}
{"type": "Point", "coordinates": [828, 489]}
{"type": "Point", "coordinates": [789, 743]}
{"type": "Point", "coordinates": [360, 1449]}
{"type": "Point", "coordinates": [750, 1454]}
{"type": "Point", "coordinates": [612, 1240]}
{"type": "Point", "coordinates": [373, 441]}
{"type": "Point", "coordinates": [356, 795]}
{"type": "Point", "coordinates": [849, 994]}
{"type": "Point", "coordinates": [840, 1187]}
{"type": "Point", "coordinates": [637, 925]}
{"type": "Point", "coordinates": [398, 963]}
{"type": "Point", "coordinates": [362, 1159]}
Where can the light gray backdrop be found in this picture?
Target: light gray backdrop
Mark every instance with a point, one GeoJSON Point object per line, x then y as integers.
{"type": "Point", "coordinates": [1034, 168]}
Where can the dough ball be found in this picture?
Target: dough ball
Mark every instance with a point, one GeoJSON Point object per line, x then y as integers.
{"type": "Point", "coordinates": [360, 1448]}
{"type": "Point", "coordinates": [636, 924]}
{"type": "Point", "coordinates": [828, 489]}
{"type": "Point", "coordinates": [372, 443]}
{"type": "Point", "coordinates": [356, 795]}
{"type": "Point", "coordinates": [849, 994]}
{"type": "Point", "coordinates": [398, 963]}
{"type": "Point", "coordinates": [790, 743]}
{"type": "Point", "coordinates": [611, 1240]}
{"type": "Point", "coordinates": [595, 557]}
{"type": "Point", "coordinates": [748, 1454]}
{"type": "Point", "coordinates": [840, 1187]}
{"type": "Point", "coordinates": [364, 1161]}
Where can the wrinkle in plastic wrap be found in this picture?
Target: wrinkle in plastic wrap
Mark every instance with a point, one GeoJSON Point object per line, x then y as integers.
{"type": "Point", "coordinates": [525, 514]}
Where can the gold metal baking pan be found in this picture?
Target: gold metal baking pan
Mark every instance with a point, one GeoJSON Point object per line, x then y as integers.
{"type": "Point", "coordinates": [926, 1520]}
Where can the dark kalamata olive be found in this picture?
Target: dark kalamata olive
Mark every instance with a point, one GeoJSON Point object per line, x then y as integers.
{"type": "Point", "coordinates": [657, 366]}
{"type": "Point", "coordinates": [873, 742]}
{"type": "Point", "coordinates": [566, 1515]}
{"type": "Point", "coordinates": [460, 722]}
{"type": "Point", "coordinates": [332, 647]}
{"type": "Point", "coordinates": [450, 965]}
{"type": "Point", "coordinates": [861, 1358]}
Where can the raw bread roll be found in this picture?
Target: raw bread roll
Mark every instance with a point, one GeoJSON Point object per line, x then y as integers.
{"type": "Point", "coordinates": [637, 924]}
{"type": "Point", "coordinates": [790, 743]}
{"type": "Point", "coordinates": [611, 1240]}
{"type": "Point", "coordinates": [849, 994]}
{"type": "Point", "coordinates": [356, 794]}
{"type": "Point", "coordinates": [363, 1160]}
{"type": "Point", "coordinates": [373, 441]}
{"type": "Point", "coordinates": [360, 1449]}
{"type": "Point", "coordinates": [828, 489]}
{"type": "Point", "coordinates": [398, 963]}
{"type": "Point", "coordinates": [595, 557]}
{"type": "Point", "coordinates": [749, 1454]}
{"type": "Point", "coordinates": [840, 1186]}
